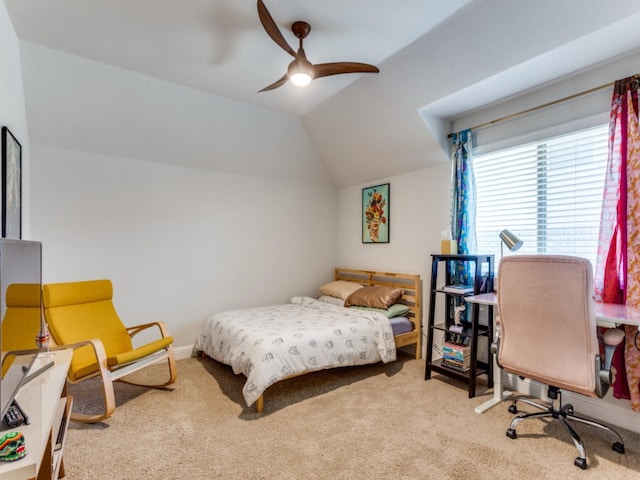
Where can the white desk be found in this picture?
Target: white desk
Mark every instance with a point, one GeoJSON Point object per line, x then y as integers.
{"type": "Point", "coordinates": [612, 314]}
{"type": "Point", "coordinates": [607, 315]}
{"type": "Point", "coordinates": [40, 399]}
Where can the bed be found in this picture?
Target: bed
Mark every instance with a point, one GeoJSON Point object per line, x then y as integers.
{"type": "Point", "coordinates": [359, 318]}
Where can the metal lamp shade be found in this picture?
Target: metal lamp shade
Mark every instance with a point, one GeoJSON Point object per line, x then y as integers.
{"type": "Point", "coordinates": [512, 242]}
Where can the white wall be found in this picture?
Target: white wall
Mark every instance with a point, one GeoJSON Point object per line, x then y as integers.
{"type": "Point", "coordinates": [419, 211]}
{"type": "Point", "coordinates": [179, 244]}
{"type": "Point", "coordinates": [12, 107]}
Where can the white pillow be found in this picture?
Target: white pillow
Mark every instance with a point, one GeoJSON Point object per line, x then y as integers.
{"type": "Point", "coordinates": [339, 288]}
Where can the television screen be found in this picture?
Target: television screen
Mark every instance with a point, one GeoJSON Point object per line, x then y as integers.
{"type": "Point", "coordinates": [21, 278]}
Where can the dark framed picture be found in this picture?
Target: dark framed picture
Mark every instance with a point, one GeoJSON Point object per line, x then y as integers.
{"type": "Point", "coordinates": [375, 214]}
{"type": "Point", "coordinates": [11, 185]}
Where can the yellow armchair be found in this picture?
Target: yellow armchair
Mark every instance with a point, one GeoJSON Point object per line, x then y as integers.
{"type": "Point", "coordinates": [84, 312]}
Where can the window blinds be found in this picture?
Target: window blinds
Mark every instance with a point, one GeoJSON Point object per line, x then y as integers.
{"type": "Point", "coordinates": [548, 192]}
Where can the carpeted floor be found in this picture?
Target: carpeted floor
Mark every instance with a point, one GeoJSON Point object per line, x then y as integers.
{"type": "Point", "coordinates": [373, 422]}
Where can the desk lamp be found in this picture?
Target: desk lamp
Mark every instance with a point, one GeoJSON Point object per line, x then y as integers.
{"type": "Point", "coordinates": [512, 242]}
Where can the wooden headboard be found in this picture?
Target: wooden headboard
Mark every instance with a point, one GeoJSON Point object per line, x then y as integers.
{"type": "Point", "coordinates": [412, 297]}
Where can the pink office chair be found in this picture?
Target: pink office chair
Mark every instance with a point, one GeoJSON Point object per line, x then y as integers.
{"type": "Point", "coordinates": [547, 333]}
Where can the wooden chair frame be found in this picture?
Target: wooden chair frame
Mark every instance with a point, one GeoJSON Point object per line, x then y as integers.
{"type": "Point", "coordinates": [108, 375]}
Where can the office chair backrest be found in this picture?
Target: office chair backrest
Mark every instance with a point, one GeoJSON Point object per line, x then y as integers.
{"type": "Point", "coordinates": [547, 324]}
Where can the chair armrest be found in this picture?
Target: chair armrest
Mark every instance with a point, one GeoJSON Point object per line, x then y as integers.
{"type": "Point", "coordinates": [96, 345]}
{"type": "Point", "coordinates": [100, 353]}
{"type": "Point", "coordinates": [54, 346]}
{"type": "Point", "coordinates": [604, 374]}
{"type": "Point", "coordinates": [612, 338]}
{"type": "Point", "coordinates": [164, 332]}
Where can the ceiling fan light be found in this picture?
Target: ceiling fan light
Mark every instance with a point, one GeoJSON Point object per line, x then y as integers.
{"type": "Point", "coordinates": [300, 73]}
{"type": "Point", "coordinates": [300, 79]}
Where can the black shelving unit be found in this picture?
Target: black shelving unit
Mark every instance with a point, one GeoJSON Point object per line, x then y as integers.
{"type": "Point", "coordinates": [482, 268]}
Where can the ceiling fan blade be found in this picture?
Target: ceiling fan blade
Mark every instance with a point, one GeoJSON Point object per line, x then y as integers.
{"type": "Point", "coordinates": [272, 29]}
{"type": "Point", "coordinates": [326, 69]}
{"type": "Point", "coordinates": [278, 83]}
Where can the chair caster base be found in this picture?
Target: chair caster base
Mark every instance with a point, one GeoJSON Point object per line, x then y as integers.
{"type": "Point", "coordinates": [618, 447]}
{"type": "Point", "coordinates": [513, 409]}
{"type": "Point", "coordinates": [511, 433]}
{"type": "Point", "coordinates": [580, 462]}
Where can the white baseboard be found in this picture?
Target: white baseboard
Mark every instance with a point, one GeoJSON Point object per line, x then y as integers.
{"type": "Point", "coordinates": [610, 410]}
{"type": "Point", "coordinates": [183, 352]}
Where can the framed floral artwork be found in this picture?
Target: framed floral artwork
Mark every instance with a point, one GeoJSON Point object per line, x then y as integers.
{"type": "Point", "coordinates": [11, 185]}
{"type": "Point", "coordinates": [375, 214]}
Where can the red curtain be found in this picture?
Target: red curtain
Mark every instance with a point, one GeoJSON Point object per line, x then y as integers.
{"type": "Point", "coordinates": [618, 265]}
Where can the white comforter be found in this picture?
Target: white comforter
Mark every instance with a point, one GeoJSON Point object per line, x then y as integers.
{"type": "Point", "coordinates": [270, 343]}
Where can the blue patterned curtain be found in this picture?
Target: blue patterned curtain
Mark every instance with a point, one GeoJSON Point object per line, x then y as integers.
{"type": "Point", "coordinates": [463, 202]}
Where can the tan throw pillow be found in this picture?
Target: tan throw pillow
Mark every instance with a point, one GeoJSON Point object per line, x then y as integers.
{"type": "Point", "coordinates": [376, 297]}
{"type": "Point", "coordinates": [339, 288]}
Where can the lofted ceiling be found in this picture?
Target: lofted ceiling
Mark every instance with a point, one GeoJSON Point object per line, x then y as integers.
{"type": "Point", "coordinates": [437, 60]}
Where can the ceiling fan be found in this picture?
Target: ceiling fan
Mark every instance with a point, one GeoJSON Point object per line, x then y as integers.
{"type": "Point", "coordinates": [301, 71]}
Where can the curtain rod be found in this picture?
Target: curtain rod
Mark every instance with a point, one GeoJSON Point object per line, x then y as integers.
{"type": "Point", "coordinates": [539, 107]}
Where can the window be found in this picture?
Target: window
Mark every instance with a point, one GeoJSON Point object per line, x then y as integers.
{"type": "Point", "coordinates": [549, 193]}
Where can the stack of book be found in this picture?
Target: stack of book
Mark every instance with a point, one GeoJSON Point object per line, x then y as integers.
{"type": "Point", "coordinates": [456, 356]}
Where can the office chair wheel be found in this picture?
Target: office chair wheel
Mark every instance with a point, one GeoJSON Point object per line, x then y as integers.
{"type": "Point", "coordinates": [513, 409]}
{"type": "Point", "coordinates": [581, 462]}
{"type": "Point", "coordinates": [618, 447]}
{"type": "Point", "coordinates": [511, 433]}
